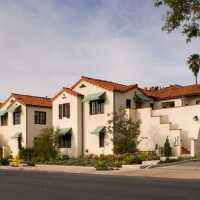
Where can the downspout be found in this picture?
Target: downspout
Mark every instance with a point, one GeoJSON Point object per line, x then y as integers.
{"type": "Point", "coordinates": [26, 127]}
{"type": "Point", "coordinates": [82, 127]}
{"type": "Point", "coordinates": [113, 113]}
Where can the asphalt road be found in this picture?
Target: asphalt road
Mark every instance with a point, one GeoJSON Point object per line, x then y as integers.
{"type": "Point", "coordinates": [26, 185]}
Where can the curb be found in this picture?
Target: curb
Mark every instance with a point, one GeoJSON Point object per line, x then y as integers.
{"type": "Point", "coordinates": [169, 164]}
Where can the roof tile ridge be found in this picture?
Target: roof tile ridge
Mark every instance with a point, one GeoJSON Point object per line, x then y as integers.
{"type": "Point", "coordinates": [29, 96]}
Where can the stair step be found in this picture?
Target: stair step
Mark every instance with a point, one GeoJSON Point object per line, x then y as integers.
{"type": "Point", "coordinates": [185, 155]}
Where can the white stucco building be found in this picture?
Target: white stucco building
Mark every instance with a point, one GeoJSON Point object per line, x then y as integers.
{"type": "Point", "coordinates": [81, 113]}
{"type": "Point", "coordinates": [22, 118]}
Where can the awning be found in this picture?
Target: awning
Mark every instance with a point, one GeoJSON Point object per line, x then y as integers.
{"type": "Point", "coordinates": [3, 112]}
{"type": "Point", "coordinates": [17, 135]}
{"type": "Point", "coordinates": [142, 97]}
{"type": "Point", "coordinates": [98, 130]}
{"type": "Point", "coordinates": [64, 131]}
{"type": "Point", "coordinates": [14, 108]}
{"type": "Point", "coordinates": [93, 97]}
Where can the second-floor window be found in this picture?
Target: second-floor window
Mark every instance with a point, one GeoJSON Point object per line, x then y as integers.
{"type": "Point", "coordinates": [4, 120]}
{"type": "Point", "coordinates": [97, 107]}
{"type": "Point", "coordinates": [128, 103]}
{"type": "Point", "coordinates": [40, 117]}
{"type": "Point", "coordinates": [64, 110]}
{"type": "Point", "coordinates": [16, 118]}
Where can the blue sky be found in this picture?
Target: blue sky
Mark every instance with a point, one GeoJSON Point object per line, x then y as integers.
{"type": "Point", "coordinates": [49, 44]}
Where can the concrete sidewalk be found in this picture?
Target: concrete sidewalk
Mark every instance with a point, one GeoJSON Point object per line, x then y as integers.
{"type": "Point", "coordinates": [189, 170]}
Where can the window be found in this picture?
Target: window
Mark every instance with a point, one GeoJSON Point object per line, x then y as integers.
{"type": "Point", "coordinates": [128, 103]}
{"type": "Point", "coordinates": [16, 118]}
{"type": "Point", "coordinates": [4, 120]}
{"type": "Point", "coordinates": [64, 110]}
{"type": "Point", "coordinates": [101, 139]}
{"type": "Point", "coordinates": [40, 117]}
{"type": "Point", "coordinates": [97, 107]}
{"type": "Point", "coordinates": [19, 139]}
{"type": "Point", "coordinates": [66, 141]}
{"type": "Point", "coordinates": [197, 101]}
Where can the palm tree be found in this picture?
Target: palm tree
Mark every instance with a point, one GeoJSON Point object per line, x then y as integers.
{"type": "Point", "coordinates": [194, 64]}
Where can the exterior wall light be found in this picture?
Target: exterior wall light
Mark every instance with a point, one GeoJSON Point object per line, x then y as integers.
{"type": "Point", "coordinates": [195, 118]}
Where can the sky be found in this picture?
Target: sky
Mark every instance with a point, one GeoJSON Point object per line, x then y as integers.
{"type": "Point", "coordinates": [47, 45]}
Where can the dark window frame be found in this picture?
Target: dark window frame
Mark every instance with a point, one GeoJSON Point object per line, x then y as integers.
{"type": "Point", "coordinates": [4, 120]}
{"type": "Point", "coordinates": [66, 141]}
{"type": "Point", "coordinates": [41, 119]}
{"type": "Point", "coordinates": [128, 103]}
{"type": "Point", "coordinates": [101, 139]}
{"type": "Point", "coordinates": [19, 141]}
{"type": "Point", "coordinates": [16, 119]}
{"type": "Point", "coordinates": [97, 107]}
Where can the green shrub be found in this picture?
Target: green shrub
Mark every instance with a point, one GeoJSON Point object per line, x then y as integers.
{"type": "Point", "coordinates": [167, 148]}
{"type": "Point", "coordinates": [4, 161]}
{"type": "Point", "coordinates": [81, 156]}
{"type": "Point", "coordinates": [168, 160]}
{"type": "Point", "coordinates": [65, 157]}
{"type": "Point", "coordinates": [47, 144]}
{"type": "Point", "coordinates": [26, 154]}
{"type": "Point", "coordinates": [30, 163]}
{"type": "Point", "coordinates": [128, 159]}
{"type": "Point", "coordinates": [145, 156]}
{"type": "Point", "coordinates": [138, 160]}
{"type": "Point", "coordinates": [101, 165]}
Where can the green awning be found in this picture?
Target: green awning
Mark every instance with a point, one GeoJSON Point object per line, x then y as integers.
{"type": "Point", "coordinates": [14, 108]}
{"type": "Point", "coordinates": [142, 97]}
{"type": "Point", "coordinates": [64, 131]}
{"type": "Point", "coordinates": [3, 112]}
{"type": "Point", "coordinates": [17, 135]}
{"type": "Point", "coordinates": [98, 130]}
{"type": "Point", "coordinates": [93, 97]}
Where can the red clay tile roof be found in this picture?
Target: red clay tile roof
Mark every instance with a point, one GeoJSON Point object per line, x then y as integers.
{"type": "Point", "coordinates": [28, 100]}
{"type": "Point", "coordinates": [174, 91]}
{"type": "Point", "coordinates": [106, 84]}
{"type": "Point", "coordinates": [68, 90]}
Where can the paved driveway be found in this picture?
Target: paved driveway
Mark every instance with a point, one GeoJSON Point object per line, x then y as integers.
{"type": "Point", "coordinates": [190, 170]}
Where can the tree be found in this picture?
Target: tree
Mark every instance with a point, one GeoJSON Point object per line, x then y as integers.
{"type": "Point", "coordinates": [194, 64]}
{"type": "Point", "coordinates": [47, 144]}
{"type": "Point", "coordinates": [124, 131]}
{"type": "Point", "coordinates": [185, 13]}
{"type": "Point", "coordinates": [167, 148]}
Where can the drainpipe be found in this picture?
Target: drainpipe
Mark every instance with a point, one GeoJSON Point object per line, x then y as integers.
{"type": "Point", "coordinates": [182, 100]}
{"type": "Point", "coordinates": [82, 127]}
{"type": "Point", "coordinates": [26, 127]}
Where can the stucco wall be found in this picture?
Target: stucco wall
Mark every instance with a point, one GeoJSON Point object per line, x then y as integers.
{"type": "Point", "coordinates": [33, 130]}
{"type": "Point", "coordinates": [120, 99]}
{"type": "Point", "coordinates": [10, 130]}
{"type": "Point", "coordinates": [154, 132]}
{"type": "Point", "coordinates": [91, 142]}
{"type": "Point", "coordinates": [182, 117]}
{"type": "Point", "coordinates": [73, 122]}
{"type": "Point", "coordinates": [158, 104]}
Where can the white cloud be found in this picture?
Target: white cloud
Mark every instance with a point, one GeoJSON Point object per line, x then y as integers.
{"type": "Point", "coordinates": [48, 44]}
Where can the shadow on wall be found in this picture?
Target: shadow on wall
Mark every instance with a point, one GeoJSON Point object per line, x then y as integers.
{"type": "Point", "coordinates": [3, 141]}
{"type": "Point", "coordinates": [153, 137]}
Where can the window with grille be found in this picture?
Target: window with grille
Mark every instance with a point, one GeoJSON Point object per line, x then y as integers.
{"type": "Point", "coordinates": [97, 107]}
{"type": "Point", "coordinates": [40, 117]}
{"type": "Point", "coordinates": [101, 139]}
{"type": "Point", "coordinates": [66, 141]}
{"type": "Point", "coordinates": [16, 118]}
{"type": "Point", "coordinates": [4, 120]}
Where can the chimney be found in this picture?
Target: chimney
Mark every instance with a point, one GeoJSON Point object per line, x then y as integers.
{"type": "Point", "coordinates": [170, 87]}
{"type": "Point", "coordinates": [152, 89]}
{"type": "Point", "coordinates": [145, 89]}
